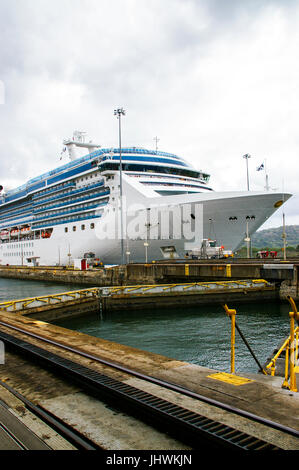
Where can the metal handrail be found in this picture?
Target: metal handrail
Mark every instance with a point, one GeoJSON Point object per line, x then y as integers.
{"type": "Point", "coordinates": [185, 286]}
{"type": "Point", "coordinates": [280, 351]}
{"type": "Point", "coordinates": [290, 346]}
{"type": "Point", "coordinates": [234, 326]}
{"type": "Point", "coordinates": [18, 305]}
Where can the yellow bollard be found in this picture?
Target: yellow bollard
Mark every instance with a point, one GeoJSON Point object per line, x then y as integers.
{"type": "Point", "coordinates": [228, 270]}
{"type": "Point", "coordinates": [232, 314]}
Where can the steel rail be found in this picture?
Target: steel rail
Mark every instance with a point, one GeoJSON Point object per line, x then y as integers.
{"type": "Point", "coordinates": [13, 437]}
{"type": "Point", "coordinates": [67, 432]}
{"type": "Point", "coordinates": [17, 432]}
{"type": "Point", "coordinates": [165, 384]}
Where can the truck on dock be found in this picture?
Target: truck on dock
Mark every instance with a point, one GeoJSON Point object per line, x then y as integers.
{"type": "Point", "coordinates": [208, 250]}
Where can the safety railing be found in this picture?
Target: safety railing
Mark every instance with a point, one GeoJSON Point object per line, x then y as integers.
{"type": "Point", "coordinates": [190, 287]}
{"type": "Point", "coordinates": [290, 347]}
{"type": "Point", "coordinates": [36, 302]}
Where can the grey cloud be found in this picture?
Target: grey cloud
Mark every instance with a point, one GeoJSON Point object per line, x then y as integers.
{"type": "Point", "coordinates": [173, 64]}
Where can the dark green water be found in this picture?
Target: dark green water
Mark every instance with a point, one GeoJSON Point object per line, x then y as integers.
{"type": "Point", "coordinates": [199, 335]}
{"type": "Point", "coordinates": [12, 289]}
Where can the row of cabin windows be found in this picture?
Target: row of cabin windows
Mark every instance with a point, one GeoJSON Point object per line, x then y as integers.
{"type": "Point", "coordinates": [89, 176]}
{"type": "Point", "coordinates": [66, 203]}
{"type": "Point", "coordinates": [83, 227]}
{"type": "Point", "coordinates": [63, 184]}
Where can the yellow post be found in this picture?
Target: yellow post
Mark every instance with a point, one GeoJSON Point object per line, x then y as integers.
{"type": "Point", "coordinates": [293, 350]}
{"type": "Point", "coordinates": [286, 369]}
{"type": "Point", "coordinates": [228, 270]}
{"type": "Point", "coordinates": [297, 338]}
{"type": "Point", "coordinates": [293, 385]}
{"type": "Point", "coordinates": [232, 314]}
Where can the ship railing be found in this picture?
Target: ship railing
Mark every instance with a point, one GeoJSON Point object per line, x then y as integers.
{"type": "Point", "coordinates": [75, 201]}
{"type": "Point", "coordinates": [56, 215]}
{"type": "Point", "coordinates": [6, 213]}
{"type": "Point", "coordinates": [71, 193]}
{"type": "Point", "coordinates": [290, 349]}
{"type": "Point", "coordinates": [54, 189]}
{"type": "Point", "coordinates": [15, 306]}
{"type": "Point", "coordinates": [66, 221]}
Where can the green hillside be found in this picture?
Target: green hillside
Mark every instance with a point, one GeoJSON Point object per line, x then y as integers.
{"type": "Point", "coordinates": [272, 237]}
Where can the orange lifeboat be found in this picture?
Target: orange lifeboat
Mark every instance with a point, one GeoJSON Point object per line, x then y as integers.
{"type": "Point", "coordinates": [46, 235]}
{"type": "Point", "coordinates": [14, 233]}
{"type": "Point", "coordinates": [26, 231]}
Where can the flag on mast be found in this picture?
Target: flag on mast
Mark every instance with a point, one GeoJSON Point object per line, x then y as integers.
{"type": "Point", "coordinates": [62, 152]}
{"type": "Point", "coordinates": [261, 167]}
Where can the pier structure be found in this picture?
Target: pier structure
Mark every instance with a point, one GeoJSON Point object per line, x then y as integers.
{"type": "Point", "coordinates": [64, 389]}
{"type": "Point", "coordinates": [111, 396]}
{"type": "Point", "coordinates": [283, 274]}
{"type": "Point", "coordinates": [101, 299]}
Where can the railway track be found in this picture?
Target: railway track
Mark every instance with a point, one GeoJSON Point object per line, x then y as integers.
{"type": "Point", "coordinates": [16, 436]}
{"type": "Point", "coordinates": [185, 425]}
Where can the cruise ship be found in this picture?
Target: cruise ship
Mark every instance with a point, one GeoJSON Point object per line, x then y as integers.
{"type": "Point", "coordinates": [123, 205]}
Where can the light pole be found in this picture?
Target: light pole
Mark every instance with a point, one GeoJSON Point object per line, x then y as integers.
{"type": "Point", "coordinates": [119, 113]}
{"type": "Point", "coordinates": [247, 239]}
{"type": "Point", "coordinates": [247, 156]}
{"type": "Point", "coordinates": [146, 245]}
{"type": "Point", "coordinates": [284, 237]}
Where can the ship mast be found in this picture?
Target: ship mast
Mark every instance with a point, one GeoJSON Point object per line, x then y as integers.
{"type": "Point", "coordinates": [78, 141]}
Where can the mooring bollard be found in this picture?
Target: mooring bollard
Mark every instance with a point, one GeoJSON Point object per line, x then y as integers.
{"type": "Point", "coordinates": [232, 314]}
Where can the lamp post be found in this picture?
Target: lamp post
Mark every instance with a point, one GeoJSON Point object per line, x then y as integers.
{"type": "Point", "coordinates": [247, 156]}
{"type": "Point", "coordinates": [247, 239]}
{"type": "Point", "coordinates": [119, 113]}
{"type": "Point", "coordinates": [146, 245]}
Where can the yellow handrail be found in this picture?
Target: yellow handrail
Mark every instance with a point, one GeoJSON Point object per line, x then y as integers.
{"type": "Point", "coordinates": [232, 314]}
{"type": "Point", "coordinates": [290, 346]}
{"type": "Point", "coordinates": [293, 356]}
{"type": "Point", "coordinates": [47, 298]}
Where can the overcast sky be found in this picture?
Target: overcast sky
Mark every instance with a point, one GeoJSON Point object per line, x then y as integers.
{"type": "Point", "coordinates": [213, 79]}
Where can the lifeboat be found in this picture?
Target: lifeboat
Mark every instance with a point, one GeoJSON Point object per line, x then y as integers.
{"type": "Point", "coordinates": [4, 235]}
{"type": "Point", "coordinates": [14, 233]}
{"type": "Point", "coordinates": [26, 231]}
{"type": "Point", "coordinates": [46, 235]}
